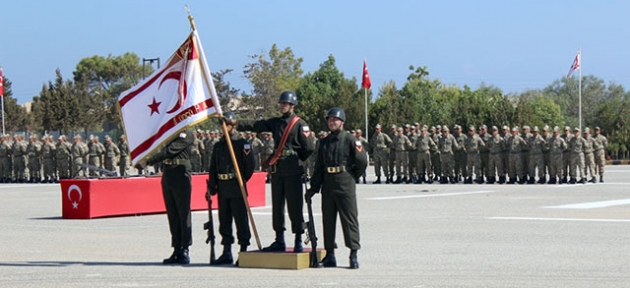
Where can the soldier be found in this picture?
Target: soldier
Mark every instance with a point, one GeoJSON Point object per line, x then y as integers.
{"type": "Point", "coordinates": [436, 162]}
{"type": "Point", "coordinates": [79, 151]}
{"type": "Point", "coordinates": [18, 154]}
{"type": "Point", "coordinates": [576, 146]}
{"type": "Point", "coordinates": [197, 151]}
{"type": "Point", "coordinates": [341, 159]}
{"type": "Point", "coordinates": [473, 160]}
{"type": "Point", "coordinates": [600, 152]}
{"type": "Point", "coordinates": [447, 146]}
{"type": "Point", "coordinates": [496, 148]}
{"type": "Point", "coordinates": [515, 145]}
{"type": "Point", "coordinates": [537, 145]}
{"type": "Point", "coordinates": [256, 148]}
{"type": "Point", "coordinates": [5, 159]}
{"type": "Point", "coordinates": [176, 190]}
{"type": "Point", "coordinates": [101, 149]}
{"type": "Point", "coordinates": [111, 154]}
{"type": "Point", "coordinates": [224, 182]}
{"type": "Point", "coordinates": [461, 157]}
{"type": "Point", "coordinates": [64, 157]}
{"type": "Point", "coordinates": [546, 151]}
{"type": "Point", "coordinates": [400, 144]}
{"type": "Point", "coordinates": [589, 157]}
{"type": "Point", "coordinates": [366, 146]}
{"type": "Point", "coordinates": [412, 153]}
{"type": "Point", "coordinates": [49, 151]}
{"type": "Point", "coordinates": [506, 154]}
{"type": "Point", "coordinates": [392, 153]}
{"type": "Point", "coordinates": [557, 146]}
{"type": "Point", "coordinates": [34, 152]}
{"type": "Point", "coordinates": [484, 154]}
{"type": "Point", "coordinates": [424, 145]}
{"type": "Point", "coordinates": [525, 153]}
{"type": "Point", "coordinates": [267, 150]}
{"type": "Point", "coordinates": [286, 179]}
{"type": "Point", "coordinates": [94, 155]}
{"type": "Point", "coordinates": [566, 155]}
{"type": "Point", "coordinates": [378, 149]}
{"type": "Point", "coordinates": [124, 155]}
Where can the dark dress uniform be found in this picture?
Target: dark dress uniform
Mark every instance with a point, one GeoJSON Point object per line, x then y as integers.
{"type": "Point", "coordinates": [176, 189]}
{"type": "Point", "coordinates": [341, 159]}
{"type": "Point", "coordinates": [223, 181]}
{"type": "Point", "coordinates": [286, 174]}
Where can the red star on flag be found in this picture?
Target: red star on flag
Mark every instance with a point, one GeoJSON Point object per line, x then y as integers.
{"type": "Point", "coordinates": [154, 106]}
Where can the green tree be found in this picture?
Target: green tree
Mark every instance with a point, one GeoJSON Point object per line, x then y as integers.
{"type": "Point", "coordinates": [15, 118]}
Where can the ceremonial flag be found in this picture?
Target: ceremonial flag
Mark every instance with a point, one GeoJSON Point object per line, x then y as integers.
{"type": "Point", "coordinates": [575, 65]}
{"type": "Point", "coordinates": [176, 96]}
{"type": "Point", "coordinates": [1, 83]}
{"type": "Point", "coordinates": [366, 83]}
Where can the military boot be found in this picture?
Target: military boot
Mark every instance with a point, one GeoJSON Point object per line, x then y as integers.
{"type": "Point", "coordinates": [404, 179]}
{"type": "Point", "coordinates": [552, 180]}
{"type": "Point", "coordinates": [532, 180]}
{"type": "Point", "coordinates": [183, 257]}
{"type": "Point", "coordinates": [329, 260]}
{"type": "Point", "coordinates": [468, 180]}
{"type": "Point", "coordinates": [601, 178]}
{"type": "Point", "coordinates": [593, 180]}
{"type": "Point", "coordinates": [364, 182]}
{"type": "Point", "coordinates": [453, 180]}
{"type": "Point", "coordinates": [542, 180]}
{"type": "Point", "coordinates": [512, 180]}
{"type": "Point", "coordinates": [564, 180]}
{"type": "Point", "coordinates": [430, 180]}
{"type": "Point", "coordinates": [409, 180]}
{"type": "Point", "coordinates": [174, 258]}
{"type": "Point", "coordinates": [398, 180]}
{"type": "Point", "coordinates": [378, 180]}
{"type": "Point", "coordinates": [443, 180]}
{"type": "Point", "coordinates": [278, 245]}
{"type": "Point", "coordinates": [501, 179]}
{"type": "Point", "coordinates": [582, 180]}
{"type": "Point", "coordinates": [387, 180]}
{"type": "Point", "coordinates": [522, 180]}
{"type": "Point", "coordinates": [490, 180]}
{"type": "Point", "coordinates": [572, 181]}
{"type": "Point", "coordinates": [226, 257]}
{"type": "Point", "coordinates": [354, 262]}
{"type": "Point", "coordinates": [297, 248]}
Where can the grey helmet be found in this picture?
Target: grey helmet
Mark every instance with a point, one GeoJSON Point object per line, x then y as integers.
{"type": "Point", "coordinates": [288, 97]}
{"type": "Point", "coordinates": [336, 112]}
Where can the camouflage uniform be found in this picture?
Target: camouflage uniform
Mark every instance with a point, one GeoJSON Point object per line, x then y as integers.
{"type": "Point", "coordinates": [557, 146]}
{"type": "Point", "coordinates": [589, 157]}
{"type": "Point", "coordinates": [576, 146]}
{"type": "Point", "coordinates": [392, 153]}
{"type": "Point", "coordinates": [412, 153]}
{"type": "Point", "coordinates": [424, 145]}
{"type": "Point", "coordinates": [366, 146]}
{"type": "Point", "coordinates": [18, 154]}
{"type": "Point", "coordinates": [537, 145]}
{"type": "Point", "coordinates": [400, 144]}
{"type": "Point", "coordinates": [112, 153]}
{"type": "Point", "coordinates": [197, 151]}
{"type": "Point", "coordinates": [496, 148]}
{"type": "Point", "coordinates": [256, 148]}
{"type": "Point", "coordinates": [436, 161]}
{"type": "Point", "coordinates": [63, 156]}
{"type": "Point", "coordinates": [5, 160]}
{"type": "Point", "coordinates": [506, 153]}
{"type": "Point", "coordinates": [378, 150]}
{"type": "Point", "coordinates": [49, 151]}
{"type": "Point", "coordinates": [515, 145]}
{"type": "Point", "coordinates": [566, 155]}
{"type": "Point", "coordinates": [600, 153]}
{"type": "Point", "coordinates": [79, 151]}
{"type": "Point", "coordinates": [447, 146]}
{"type": "Point", "coordinates": [472, 144]}
{"type": "Point", "coordinates": [124, 156]}
{"type": "Point", "coordinates": [525, 153]}
{"type": "Point", "coordinates": [34, 151]}
{"type": "Point", "coordinates": [94, 155]}
{"type": "Point", "coordinates": [461, 157]}
{"type": "Point", "coordinates": [484, 153]}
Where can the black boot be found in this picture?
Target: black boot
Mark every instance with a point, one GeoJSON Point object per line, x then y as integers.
{"type": "Point", "coordinates": [565, 180]}
{"type": "Point", "coordinates": [278, 245]}
{"type": "Point", "coordinates": [453, 180]}
{"type": "Point", "coordinates": [582, 180]}
{"type": "Point", "coordinates": [468, 180]}
{"type": "Point", "coordinates": [404, 179]}
{"type": "Point", "coordinates": [512, 180]}
{"type": "Point", "coordinates": [443, 180]}
{"type": "Point", "coordinates": [522, 180]}
{"type": "Point", "coordinates": [501, 179]}
{"type": "Point", "coordinates": [226, 257]}
{"type": "Point", "coordinates": [329, 260]}
{"type": "Point", "coordinates": [532, 180]}
{"type": "Point", "coordinates": [409, 180]}
{"type": "Point", "coordinates": [552, 180]}
{"type": "Point", "coordinates": [183, 257]}
{"type": "Point", "coordinates": [378, 180]}
{"type": "Point", "coordinates": [364, 182]}
{"type": "Point", "coordinates": [542, 180]}
{"type": "Point", "coordinates": [298, 244]}
{"type": "Point", "coordinates": [354, 262]}
{"type": "Point", "coordinates": [572, 181]}
{"type": "Point", "coordinates": [398, 180]}
{"type": "Point", "coordinates": [387, 180]}
{"type": "Point", "coordinates": [593, 180]}
{"type": "Point", "coordinates": [601, 178]}
{"type": "Point", "coordinates": [174, 258]}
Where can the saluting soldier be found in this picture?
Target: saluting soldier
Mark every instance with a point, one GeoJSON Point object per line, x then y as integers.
{"type": "Point", "coordinates": [576, 146]}
{"type": "Point", "coordinates": [5, 159]}
{"type": "Point", "coordinates": [600, 152]}
{"type": "Point", "coordinates": [223, 181]}
{"type": "Point", "coordinates": [286, 179]}
{"type": "Point", "coordinates": [111, 154]}
{"type": "Point", "coordinates": [496, 148]}
{"type": "Point", "coordinates": [49, 151]}
{"type": "Point", "coordinates": [506, 154]}
{"type": "Point", "coordinates": [34, 151]}
{"type": "Point", "coordinates": [536, 145]}
{"type": "Point", "coordinates": [525, 153]}
{"type": "Point", "coordinates": [392, 153]}
{"type": "Point", "coordinates": [424, 145]}
{"type": "Point", "coordinates": [63, 156]}
{"type": "Point", "coordinates": [589, 157]}
{"type": "Point", "coordinates": [123, 162]}
{"type": "Point", "coordinates": [341, 159]}
{"type": "Point", "coordinates": [412, 153]}
{"type": "Point", "coordinates": [484, 153]}
{"type": "Point", "coordinates": [557, 146]}
{"type": "Point", "coordinates": [197, 151]}
{"type": "Point", "coordinates": [94, 155]}
{"type": "Point", "coordinates": [267, 150]}
{"type": "Point", "coordinates": [461, 157]}
{"type": "Point", "coordinates": [18, 154]}
{"type": "Point", "coordinates": [473, 143]}
{"type": "Point", "coordinates": [378, 149]}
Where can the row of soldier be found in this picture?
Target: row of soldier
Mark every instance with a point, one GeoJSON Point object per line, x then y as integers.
{"type": "Point", "coordinates": [416, 154]}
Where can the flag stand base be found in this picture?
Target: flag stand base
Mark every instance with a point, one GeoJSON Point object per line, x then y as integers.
{"type": "Point", "coordinates": [278, 260]}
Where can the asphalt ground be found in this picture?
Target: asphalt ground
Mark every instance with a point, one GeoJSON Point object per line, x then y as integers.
{"type": "Point", "coordinates": [411, 235]}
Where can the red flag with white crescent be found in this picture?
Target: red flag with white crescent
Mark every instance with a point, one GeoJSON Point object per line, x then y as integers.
{"type": "Point", "coordinates": [366, 83]}
{"type": "Point", "coordinates": [1, 83]}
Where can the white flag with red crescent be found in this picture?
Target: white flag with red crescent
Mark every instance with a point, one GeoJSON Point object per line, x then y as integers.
{"type": "Point", "coordinates": [575, 65]}
{"type": "Point", "coordinates": [178, 95]}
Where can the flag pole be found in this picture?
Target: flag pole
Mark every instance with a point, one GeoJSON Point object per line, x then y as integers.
{"type": "Point", "coordinates": [580, 86]}
{"type": "Point", "coordinates": [227, 135]}
{"type": "Point", "coordinates": [2, 96]}
{"type": "Point", "coordinates": [366, 115]}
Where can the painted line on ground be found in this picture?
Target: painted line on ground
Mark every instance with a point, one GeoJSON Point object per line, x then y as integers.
{"type": "Point", "coordinates": [558, 219]}
{"type": "Point", "coordinates": [591, 205]}
{"type": "Point", "coordinates": [429, 195]}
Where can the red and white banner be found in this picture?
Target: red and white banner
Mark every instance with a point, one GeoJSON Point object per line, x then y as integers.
{"type": "Point", "coordinates": [575, 65]}
{"type": "Point", "coordinates": [176, 96]}
{"type": "Point", "coordinates": [366, 82]}
{"type": "Point", "coordinates": [1, 83]}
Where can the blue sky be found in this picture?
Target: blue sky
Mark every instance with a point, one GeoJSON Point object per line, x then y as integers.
{"type": "Point", "coordinates": [513, 45]}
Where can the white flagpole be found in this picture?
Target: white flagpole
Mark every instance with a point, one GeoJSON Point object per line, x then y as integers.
{"type": "Point", "coordinates": [366, 115]}
{"type": "Point", "coordinates": [2, 96]}
{"type": "Point", "coordinates": [580, 86]}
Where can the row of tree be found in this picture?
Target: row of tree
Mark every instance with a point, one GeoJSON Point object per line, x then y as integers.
{"type": "Point", "coordinates": [87, 102]}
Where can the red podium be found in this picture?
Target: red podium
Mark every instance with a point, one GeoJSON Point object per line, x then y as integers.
{"type": "Point", "coordinates": [92, 198]}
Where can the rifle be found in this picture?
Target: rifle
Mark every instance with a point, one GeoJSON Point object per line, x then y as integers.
{"type": "Point", "coordinates": [210, 227]}
{"type": "Point", "coordinates": [91, 167]}
{"type": "Point", "coordinates": [310, 234]}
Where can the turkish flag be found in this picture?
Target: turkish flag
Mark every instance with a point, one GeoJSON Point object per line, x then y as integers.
{"type": "Point", "coordinates": [366, 83]}
{"type": "Point", "coordinates": [1, 83]}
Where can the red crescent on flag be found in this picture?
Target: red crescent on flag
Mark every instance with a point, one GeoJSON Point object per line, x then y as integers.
{"type": "Point", "coordinates": [182, 97]}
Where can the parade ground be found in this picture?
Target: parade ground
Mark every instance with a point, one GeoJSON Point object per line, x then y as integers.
{"type": "Point", "coordinates": [411, 235]}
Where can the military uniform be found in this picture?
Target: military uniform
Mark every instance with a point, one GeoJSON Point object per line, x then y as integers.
{"type": "Point", "coordinates": [589, 156]}
{"type": "Point", "coordinates": [496, 148]}
{"type": "Point", "coordinates": [49, 151]}
{"type": "Point", "coordinates": [537, 145]}
{"type": "Point", "coordinates": [197, 151]}
{"type": "Point", "coordinates": [515, 146]}
{"type": "Point", "coordinates": [5, 160]}
{"type": "Point", "coordinates": [461, 156]}
{"type": "Point", "coordinates": [576, 147]}
{"type": "Point", "coordinates": [176, 189]}
{"type": "Point", "coordinates": [112, 153]}
{"type": "Point", "coordinates": [506, 153]}
{"type": "Point", "coordinates": [392, 154]}
{"type": "Point", "coordinates": [566, 155]}
{"type": "Point", "coordinates": [424, 146]}
{"type": "Point", "coordinates": [412, 155]}
{"type": "Point", "coordinates": [525, 153]}
{"type": "Point", "coordinates": [472, 145]}
{"type": "Point", "coordinates": [18, 154]}
{"type": "Point", "coordinates": [484, 153]}
{"type": "Point", "coordinates": [34, 151]}
{"type": "Point", "coordinates": [378, 149]}
{"type": "Point", "coordinates": [256, 148]}
{"type": "Point", "coordinates": [63, 156]}
{"type": "Point", "coordinates": [447, 146]}
{"type": "Point", "coordinates": [400, 144]}
{"type": "Point", "coordinates": [600, 153]}
{"type": "Point", "coordinates": [436, 162]}
{"type": "Point", "coordinates": [341, 159]}
{"type": "Point", "coordinates": [366, 146]}
{"type": "Point", "coordinates": [94, 155]}
{"type": "Point", "coordinates": [78, 151]}
{"type": "Point", "coordinates": [557, 146]}
{"type": "Point", "coordinates": [124, 156]}
{"type": "Point", "coordinates": [223, 180]}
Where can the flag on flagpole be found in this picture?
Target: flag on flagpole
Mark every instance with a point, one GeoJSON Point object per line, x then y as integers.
{"type": "Point", "coordinates": [366, 83]}
{"type": "Point", "coordinates": [168, 101]}
{"type": "Point", "coordinates": [575, 65]}
{"type": "Point", "coordinates": [1, 83]}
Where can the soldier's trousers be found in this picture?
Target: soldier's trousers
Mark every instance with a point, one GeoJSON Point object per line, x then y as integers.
{"type": "Point", "coordinates": [485, 168]}
{"type": "Point", "coordinates": [506, 163]}
{"type": "Point", "coordinates": [448, 164]}
{"type": "Point", "coordinates": [536, 161]}
{"type": "Point", "coordinates": [495, 165]}
{"type": "Point", "coordinates": [556, 166]}
{"type": "Point", "coordinates": [589, 164]}
{"type": "Point", "coordinates": [345, 204]}
{"type": "Point", "coordinates": [424, 163]}
{"type": "Point", "coordinates": [577, 163]}
{"type": "Point", "coordinates": [63, 168]}
{"type": "Point", "coordinates": [233, 208]}
{"type": "Point", "coordinates": [461, 161]}
{"type": "Point", "coordinates": [122, 166]}
{"type": "Point", "coordinates": [525, 159]}
{"type": "Point", "coordinates": [380, 162]}
{"type": "Point", "coordinates": [412, 160]}
{"type": "Point", "coordinates": [49, 168]}
{"type": "Point", "coordinates": [566, 163]}
{"type": "Point", "coordinates": [436, 163]}
{"type": "Point", "coordinates": [95, 161]}
{"type": "Point", "coordinates": [256, 163]}
{"type": "Point", "coordinates": [392, 162]}
{"type": "Point", "coordinates": [34, 168]}
{"type": "Point", "coordinates": [547, 162]}
{"type": "Point", "coordinates": [287, 189]}
{"type": "Point", "coordinates": [401, 168]}
{"type": "Point", "coordinates": [600, 161]}
{"type": "Point", "coordinates": [78, 171]}
{"type": "Point", "coordinates": [176, 189]}
{"type": "Point", "coordinates": [516, 165]}
{"type": "Point", "coordinates": [5, 167]}
{"type": "Point", "coordinates": [473, 164]}
{"type": "Point", "coordinates": [19, 167]}
{"type": "Point", "coordinates": [109, 163]}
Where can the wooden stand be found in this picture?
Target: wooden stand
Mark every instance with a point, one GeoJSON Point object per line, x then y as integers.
{"type": "Point", "coordinates": [278, 260]}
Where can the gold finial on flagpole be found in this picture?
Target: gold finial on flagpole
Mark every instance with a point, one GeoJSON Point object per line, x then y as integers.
{"type": "Point", "coordinates": [190, 18]}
